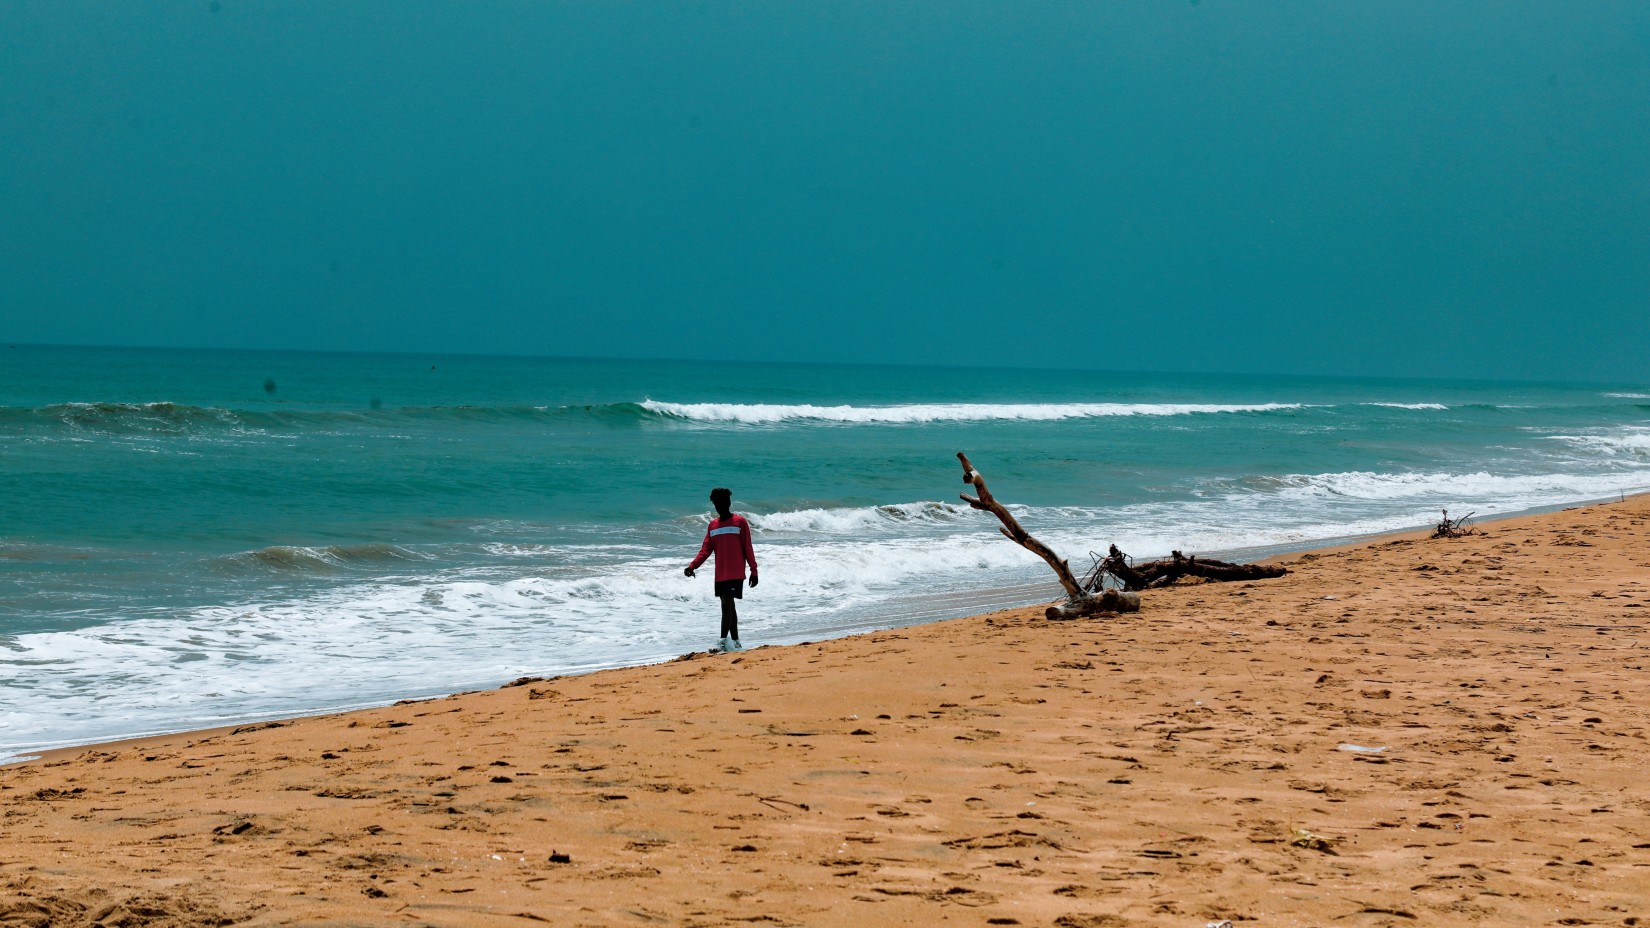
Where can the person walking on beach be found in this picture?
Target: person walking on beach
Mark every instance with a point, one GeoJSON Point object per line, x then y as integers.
{"type": "Point", "coordinates": [729, 537]}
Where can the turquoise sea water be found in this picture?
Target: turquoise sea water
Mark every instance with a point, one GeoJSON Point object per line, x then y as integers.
{"type": "Point", "coordinates": [197, 538]}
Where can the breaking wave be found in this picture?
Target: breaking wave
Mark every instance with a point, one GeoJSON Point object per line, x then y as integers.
{"type": "Point", "coordinates": [1633, 442]}
{"type": "Point", "coordinates": [764, 413]}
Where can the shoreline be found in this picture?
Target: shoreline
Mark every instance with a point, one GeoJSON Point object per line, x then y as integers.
{"type": "Point", "coordinates": [1442, 732]}
{"type": "Point", "coordinates": [1267, 554]}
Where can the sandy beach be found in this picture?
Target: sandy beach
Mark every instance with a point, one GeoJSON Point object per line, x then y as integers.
{"type": "Point", "coordinates": [1404, 732]}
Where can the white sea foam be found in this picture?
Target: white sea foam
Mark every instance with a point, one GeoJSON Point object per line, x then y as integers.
{"type": "Point", "coordinates": [1410, 405]}
{"type": "Point", "coordinates": [1630, 396]}
{"type": "Point", "coordinates": [767, 414]}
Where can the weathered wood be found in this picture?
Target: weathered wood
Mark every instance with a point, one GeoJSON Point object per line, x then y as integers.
{"type": "Point", "coordinates": [1152, 574]}
{"type": "Point", "coordinates": [1014, 532]}
{"type": "Point", "coordinates": [1221, 571]}
{"type": "Point", "coordinates": [1107, 602]}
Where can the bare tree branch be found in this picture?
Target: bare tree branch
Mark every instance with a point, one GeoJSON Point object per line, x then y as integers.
{"type": "Point", "coordinates": [1012, 530]}
{"type": "Point", "coordinates": [1089, 596]}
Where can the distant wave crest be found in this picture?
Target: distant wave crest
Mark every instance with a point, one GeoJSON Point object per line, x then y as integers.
{"type": "Point", "coordinates": [162, 419]}
{"type": "Point", "coordinates": [765, 414]}
{"type": "Point", "coordinates": [848, 521]}
{"type": "Point", "coordinates": [1530, 489]}
{"type": "Point", "coordinates": [319, 559]}
{"type": "Point", "coordinates": [168, 418]}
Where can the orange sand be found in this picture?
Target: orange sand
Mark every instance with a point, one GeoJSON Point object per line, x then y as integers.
{"type": "Point", "coordinates": [1175, 767]}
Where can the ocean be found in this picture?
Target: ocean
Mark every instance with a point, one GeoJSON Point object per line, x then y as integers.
{"type": "Point", "coordinates": [199, 538]}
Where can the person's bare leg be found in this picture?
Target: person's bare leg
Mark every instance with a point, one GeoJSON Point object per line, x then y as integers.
{"type": "Point", "coordinates": [730, 619]}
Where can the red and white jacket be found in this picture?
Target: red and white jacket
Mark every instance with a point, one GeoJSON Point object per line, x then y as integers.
{"type": "Point", "coordinates": [730, 538]}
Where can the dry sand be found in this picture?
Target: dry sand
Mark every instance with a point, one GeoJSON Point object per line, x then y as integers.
{"type": "Point", "coordinates": [1175, 767]}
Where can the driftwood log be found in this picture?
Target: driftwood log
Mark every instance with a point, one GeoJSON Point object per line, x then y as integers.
{"type": "Point", "coordinates": [1079, 601]}
{"type": "Point", "coordinates": [1150, 574]}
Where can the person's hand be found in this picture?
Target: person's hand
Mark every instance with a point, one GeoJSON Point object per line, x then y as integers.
{"type": "Point", "coordinates": [687, 571]}
{"type": "Point", "coordinates": [753, 579]}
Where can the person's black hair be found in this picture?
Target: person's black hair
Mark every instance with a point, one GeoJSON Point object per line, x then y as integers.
{"type": "Point", "coordinates": [721, 496]}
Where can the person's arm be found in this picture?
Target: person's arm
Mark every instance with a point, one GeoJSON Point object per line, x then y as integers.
{"type": "Point", "coordinates": [750, 552]}
{"type": "Point", "coordinates": [704, 552]}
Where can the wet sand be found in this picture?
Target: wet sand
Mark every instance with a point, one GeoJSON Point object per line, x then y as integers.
{"type": "Point", "coordinates": [1405, 732]}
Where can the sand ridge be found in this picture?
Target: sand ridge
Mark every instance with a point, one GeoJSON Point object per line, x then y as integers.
{"type": "Point", "coordinates": [1194, 762]}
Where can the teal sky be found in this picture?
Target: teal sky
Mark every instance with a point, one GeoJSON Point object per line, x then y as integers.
{"type": "Point", "coordinates": [1392, 188]}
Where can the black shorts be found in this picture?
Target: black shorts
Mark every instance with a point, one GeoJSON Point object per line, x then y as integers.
{"type": "Point", "coordinates": [734, 588]}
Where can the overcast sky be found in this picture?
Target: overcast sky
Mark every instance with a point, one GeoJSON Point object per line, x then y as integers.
{"type": "Point", "coordinates": [1403, 188]}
